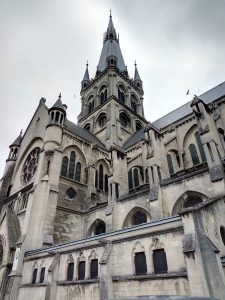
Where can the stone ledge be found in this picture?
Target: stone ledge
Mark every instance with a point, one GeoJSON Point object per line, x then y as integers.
{"type": "Point", "coordinates": [33, 285]}
{"type": "Point", "coordinates": [78, 282]}
{"type": "Point", "coordinates": [150, 276]}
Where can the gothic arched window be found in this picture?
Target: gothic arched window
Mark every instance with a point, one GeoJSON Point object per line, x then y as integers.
{"type": "Point", "coordinates": [102, 120]}
{"type": "Point", "coordinates": [103, 94]}
{"type": "Point", "coordinates": [138, 126]}
{"type": "Point", "coordinates": [99, 228]}
{"type": "Point", "coordinates": [136, 177]}
{"type": "Point", "coordinates": [194, 154]}
{"type": "Point", "coordinates": [130, 179]}
{"type": "Point", "coordinates": [30, 165]}
{"type": "Point", "coordinates": [94, 269]}
{"type": "Point", "coordinates": [96, 179]}
{"type": "Point", "coordinates": [81, 270]}
{"type": "Point", "coordinates": [70, 271]}
{"type": "Point", "coordinates": [106, 183]}
{"type": "Point", "coordinates": [140, 263]}
{"type": "Point", "coordinates": [101, 177]}
{"type": "Point", "coordinates": [124, 120]}
{"type": "Point", "coordinates": [78, 172]}
{"type": "Point", "coordinates": [134, 106]}
{"type": "Point", "coordinates": [72, 165]}
{"type": "Point", "coordinates": [170, 164]}
{"type": "Point", "coordinates": [160, 261]}
{"type": "Point", "coordinates": [139, 218]}
{"type": "Point", "coordinates": [200, 146]}
{"type": "Point", "coordinates": [192, 201]}
{"type": "Point", "coordinates": [87, 127]}
{"type": "Point", "coordinates": [121, 93]}
{"type": "Point", "coordinates": [64, 166]}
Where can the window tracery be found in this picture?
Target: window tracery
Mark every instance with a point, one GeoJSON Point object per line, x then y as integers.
{"type": "Point", "coordinates": [30, 165]}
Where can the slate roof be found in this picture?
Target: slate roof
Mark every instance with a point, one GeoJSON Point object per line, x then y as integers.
{"type": "Point", "coordinates": [135, 138]}
{"type": "Point", "coordinates": [136, 74]}
{"type": "Point", "coordinates": [58, 104]}
{"type": "Point", "coordinates": [17, 141]}
{"type": "Point", "coordinates": [86, 75]}
{"type": "Point", "coordinates": [83, 133]}
{"type": "Point", "coordinates": [184, 110]}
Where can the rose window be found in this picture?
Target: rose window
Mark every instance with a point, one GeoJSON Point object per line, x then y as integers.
{"type": "Point", "coordinates": [30, 165]}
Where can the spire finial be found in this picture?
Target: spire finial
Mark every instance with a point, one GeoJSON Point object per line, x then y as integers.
{"type": "Point", "coordinates": [110, 13]}
{"type": "Point", "coordinates": [60, 95]}
{"type": "Point", "coordinates": [21, 131]}
{"type": "Point", "coordinates": [135, 63]}
{"type": "Point", "coordinates": [87, 64]}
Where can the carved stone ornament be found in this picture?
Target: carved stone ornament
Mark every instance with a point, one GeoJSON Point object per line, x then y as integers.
{"type": "Point", "coordinates": [30, 165]}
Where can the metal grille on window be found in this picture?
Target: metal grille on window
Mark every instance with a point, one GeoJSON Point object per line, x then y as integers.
{"type": "Point", "coordinates": [70, 270]}
{"type": "Point", "coordinates": [42, 275]}
{"type": "Point", "coordinates": [72, 165]}
{"type": "Point", "coordinates": [140, 263]}
{"type": "Point", "coordinates": [160, 261]}
{"type": "Point", "coordinates": [194, 154]}
{"type": "Point", "coordinates": [81, 270]}
{"type": "Point", "coordinates": [64, 166]}
{"type": "Point", "coordinates": [94, 269]}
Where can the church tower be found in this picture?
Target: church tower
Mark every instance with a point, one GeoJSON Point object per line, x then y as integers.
{"type": "Point", "coordinates": [112, 102]}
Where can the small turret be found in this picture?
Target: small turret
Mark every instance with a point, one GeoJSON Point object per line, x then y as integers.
{"type": "Point", "coordinates": [137, 78]}
{"type": "Point", "coordinates": [86, 79]}
{"type": "Point", "coordinates": [14, 147]}
{"type": "Point", "coordinates": [57, 113]}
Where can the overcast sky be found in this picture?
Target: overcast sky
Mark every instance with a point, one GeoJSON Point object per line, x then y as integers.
{"type": "Point", "coordinates": [178, 45]}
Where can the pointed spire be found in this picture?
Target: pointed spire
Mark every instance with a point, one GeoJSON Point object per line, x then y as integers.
{"type": "Point", "coordinates": [110, 32]}
{"type": "Point", "coordinates": [58, 104]}
{"type": "Point", "coordinates": [136, 73]}
{"type": "Point", "coordinates": [86, 74]}
{"type": "Point", "coordinates": [18, 140]}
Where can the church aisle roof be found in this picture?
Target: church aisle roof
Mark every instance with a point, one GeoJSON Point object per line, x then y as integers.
{"type": "Point", "coordinates": [83, 133]}
{"type": "Point", "coordinates": [184, 110]}
{"type": "Point", "coordinates": [135, 138]}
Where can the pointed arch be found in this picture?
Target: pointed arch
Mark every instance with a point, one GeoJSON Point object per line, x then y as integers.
{"type": "Point", "coordinates": [188, 199]}
{"type": "Point", "coordinates": [97, 227]}
{"type": "Point", "coordinates": [78, 172]}
{"type": "Point", "coordinates": [130, 217]}
{"type": "Point", "coordinates": [64, 166]}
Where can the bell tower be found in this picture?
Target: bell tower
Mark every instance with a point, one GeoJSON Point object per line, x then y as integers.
{"type": "Point", "coordinates": [112, 102]}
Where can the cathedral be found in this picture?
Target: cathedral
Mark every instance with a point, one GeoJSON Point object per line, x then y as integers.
{"type": "Point", "coordinates": [114, 206]}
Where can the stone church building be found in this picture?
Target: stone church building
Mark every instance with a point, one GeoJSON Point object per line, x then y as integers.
{"type": "Point", "coordinates": [115, 206]}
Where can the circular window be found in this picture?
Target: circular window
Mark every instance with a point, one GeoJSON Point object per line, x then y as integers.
{"type": "Point", "coordinates": [1, 253]}
{"type": "Point", "coordinates": [124, 120]}
{"type": "Point", "coordinates": [30, 165]}
{"type": "Point", "coordinates": [71, 193]}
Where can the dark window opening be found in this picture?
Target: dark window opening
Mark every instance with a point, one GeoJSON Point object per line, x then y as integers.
{"type": "Point", "coordinates": [134, 106]}
{"type": "Point", "coordinates": [96, 179]}
{"type": "Point", "coordinates": [87, 127]}
{"type": "Point", "coordinates": [70, 271]}
{"type": "Point", "coordinates": [222, 233]}
{"type": "Point", "coordinates": [8, 190]}
{"type": "Point", "coordinates": [130, 180]}
{"type": "Point", "coordinates": [106, 183]}
{"type": "Point", "coordinates": [192, 201]}
{"type": "Point", "coordinates": [71, 193]}
{"type": "Point", "coordinates": [99, 228]}
{"type": "Point", "coordinates": [136, 178]}
{"type": "Point", "coordinates": [78, 172]}
{"type": "Point", "coordinates": [72, 165]}
{"type": "Point", "coordinates": [81, 270]}
{"type": "Point", "coordinates": [194, 154]}
{"type": "Point", "coordinates": [121, 95]}
{"type": "Point", "coordinates": [139, 218]}
{"type": "Point", "coordinates": [64, 166]}
{"type": "Point", "coordinates": [94, 269]}
{"type": "Point", "coordinates": [124, 120]}
{"type": "Point", "coordinates": [160, 261]}
{"type": "Point", "coordinates": [170, 164]}
{"type": "Point", "coordinates": [138, 126]}
{"type": "Point", "coordinates": [102, 121]}
{"type": "Point", "coordinates": [146, 176]}
{"type": "Point", "coordinates": [42, 275]}
{"type": "Point", "coordinates": [34, 276]}
{"type": "Point", "coordinates": [140, 263]}
{"type": "Point", "coordinates": [101, 177]}
{"type": "Point", "coordinates": [117, 190]}
{"type": "Point", "coordinates": [103, 96]}
{"type": "Point", "coordinates": [200, 146]}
